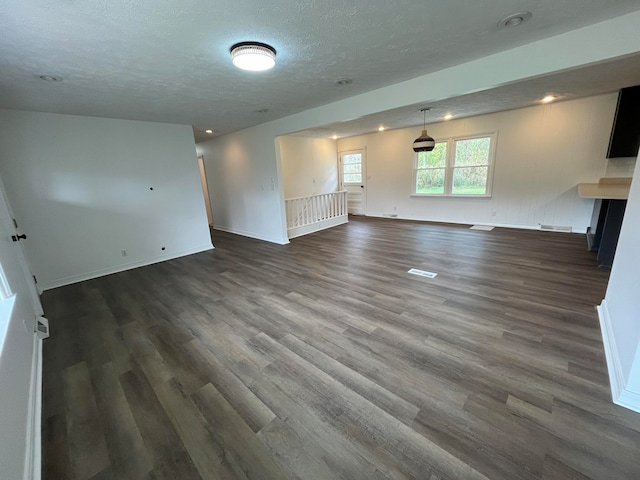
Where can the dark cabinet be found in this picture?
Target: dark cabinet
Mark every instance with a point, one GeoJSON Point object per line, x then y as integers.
{"type": "Point", "coordinates": [604, 239]}
{"type": "Point", "coordinates": [625, 134]}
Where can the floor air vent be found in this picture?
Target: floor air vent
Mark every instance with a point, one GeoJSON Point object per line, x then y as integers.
{"type": "Point", "coordinates": [556, 228]}
{"type": "Point", "coordinates": [485, 228]}
{"type": "Point", "coordinates": [422, 273]}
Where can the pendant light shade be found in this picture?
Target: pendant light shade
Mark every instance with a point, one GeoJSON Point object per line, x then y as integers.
{"type": "Point", "coordinates": [424, 143]}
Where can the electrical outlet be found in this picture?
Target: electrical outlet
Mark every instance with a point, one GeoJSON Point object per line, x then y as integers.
{"type": "Point", "coordinates": [123, 252]}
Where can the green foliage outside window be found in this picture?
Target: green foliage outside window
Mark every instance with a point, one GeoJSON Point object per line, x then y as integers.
{"type": "Point", "coordinates": [471, 166]}
{"type": "Point", "coordinates": [352, 168]}
{"type": "Point", "coordinates": [468, 171]}
{"type": "Point", "coordinates": [431, 170]}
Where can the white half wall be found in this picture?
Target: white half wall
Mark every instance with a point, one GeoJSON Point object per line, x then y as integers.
{"type": "Point", "coordinates": [309, 165]}
{"type": "Point", "coordinates": [83, 189]}
{"type": "Point", "coordinates": [245, 192]}
{"type": "Point", "coordinates": [620, 309]}
{"type": "Point", "coordinates": [542, 153]}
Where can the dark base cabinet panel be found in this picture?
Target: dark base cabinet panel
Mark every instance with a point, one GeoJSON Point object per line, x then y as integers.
{"type": "Point", "coordinates": [603, 239]}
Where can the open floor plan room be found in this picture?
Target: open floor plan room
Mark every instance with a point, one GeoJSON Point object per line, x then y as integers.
{"type": "Point", "coordinates": [325, 359]}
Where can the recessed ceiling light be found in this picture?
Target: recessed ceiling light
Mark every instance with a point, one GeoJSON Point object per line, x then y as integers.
{"type": "Point", "coordinates": [344, 81]}
{"type": "Point", "coordinates": [381, 128]}
{"type": "Point", "coordinates": [448, 116]}
{"type": "Point", "coordinates": [262, 110]}
{"type": "Point", "coordinates": [514, 19]}
{"type": "Point", "coordinates": [50, 78]}
{"type": "Point", "coordinates": [209, 131]}
{"type": "Point", "coordinates": [253, 56]}
{"type": "Point", "coordinates": [548, 99]}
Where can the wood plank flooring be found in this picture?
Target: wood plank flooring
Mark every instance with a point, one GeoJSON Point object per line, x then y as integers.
{"type": "Point", "coordinates": [325, 359]}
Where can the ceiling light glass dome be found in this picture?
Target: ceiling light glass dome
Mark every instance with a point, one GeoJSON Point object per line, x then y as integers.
{"type": "Point", "coordinates": [253, 56]}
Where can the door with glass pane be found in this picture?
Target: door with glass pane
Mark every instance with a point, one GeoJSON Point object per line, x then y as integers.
{"type": "Point", "coordinates": [353, 180]}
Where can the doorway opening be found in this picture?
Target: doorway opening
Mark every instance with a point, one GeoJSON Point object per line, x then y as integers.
{"type": "Point", "coordinates": [205, 190]}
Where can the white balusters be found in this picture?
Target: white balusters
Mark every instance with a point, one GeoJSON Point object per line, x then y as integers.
{"type": "Point", "coordinates": [315, 212]}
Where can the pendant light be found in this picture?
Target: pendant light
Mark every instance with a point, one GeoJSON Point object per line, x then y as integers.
{"type": "Point", "coordinates": [424, 143]}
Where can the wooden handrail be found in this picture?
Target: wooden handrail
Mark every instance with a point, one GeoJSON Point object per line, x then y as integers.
{"type": "Point", "coordinates": [315, 195]}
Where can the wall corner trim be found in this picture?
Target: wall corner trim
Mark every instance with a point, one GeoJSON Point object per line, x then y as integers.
{"type": "Point", "coordinates": [33, 456]}
{"type": "Point", "coordinates": [619, 393]}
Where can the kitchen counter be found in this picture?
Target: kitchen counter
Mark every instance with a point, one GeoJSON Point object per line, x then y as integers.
{"type": "Point", "coordinates": [609, 188]}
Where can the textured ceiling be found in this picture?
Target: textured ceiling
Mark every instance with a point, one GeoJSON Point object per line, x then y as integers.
{"type": "Point", "coordinates": [168, 61]}
{"type": "Point", "coordinates": [592, 80]}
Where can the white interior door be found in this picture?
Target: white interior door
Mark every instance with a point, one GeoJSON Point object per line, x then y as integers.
{"type": "Point", "coordinates": [353, 171]}
{"type": "Point", "coordinates": [19, 426]}
{"type": "Point", "coordinates": [13, 233]}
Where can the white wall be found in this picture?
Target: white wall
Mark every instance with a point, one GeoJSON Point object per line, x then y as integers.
{"type": "Point", "coordinates": [543, 152]}
{"type": "Point", "coordinates": [620, 310]}
{"type": "Point", "coordinates": [244, 184]}
{"type": "Point", "coordinates": [80, 189]}
{"type": "Point", "coordinates": [309, 165]}
{"type": "Point", "coordinates": [247, 164]}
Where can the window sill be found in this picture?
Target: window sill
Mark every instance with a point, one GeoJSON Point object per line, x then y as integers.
{"type": "Point", "coordinates": [444, 195]}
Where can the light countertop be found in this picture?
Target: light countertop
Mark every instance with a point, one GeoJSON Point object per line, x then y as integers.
{"type": "Point", "coordinates": [609, 188]}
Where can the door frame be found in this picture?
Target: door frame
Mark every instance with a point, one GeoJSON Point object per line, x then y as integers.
{"type": "Point", "coordinates": [363, 152]}
{"type": "Point", "coordinates": [205, 189]}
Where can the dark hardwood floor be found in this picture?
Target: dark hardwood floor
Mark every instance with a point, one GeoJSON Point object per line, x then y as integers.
{"type": "Point", "coordinates": [325, 359]}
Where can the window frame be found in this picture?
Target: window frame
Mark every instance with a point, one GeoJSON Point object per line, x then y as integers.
{"type": "Point", "coordinates": [450, 167]}
{"type": "Point", "coordinates": [361, 152]}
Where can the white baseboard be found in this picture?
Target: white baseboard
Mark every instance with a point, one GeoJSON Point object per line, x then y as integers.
{"type": "Point", "coordinates": [630, 400]}
{"type": "Point", "coordinates": [614, 366]}
{"type": "Point", "coordinates": [619, 393]}
{"type": "Point", "coordinates": [33, 454]}
{"type": "Point", "coordinates": [244, 233]}
{"type": "Point", "coordinates": [454, 222]}
{"type": "Point", "coordinates": [317, 226]}
{"type": "Point", "coordinates": [60, 282]}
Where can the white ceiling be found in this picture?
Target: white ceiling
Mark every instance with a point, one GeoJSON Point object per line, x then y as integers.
{"type": "Point", "coordinates": [588, 81]}
{"type": "Point", "coordinates": [168, 61]}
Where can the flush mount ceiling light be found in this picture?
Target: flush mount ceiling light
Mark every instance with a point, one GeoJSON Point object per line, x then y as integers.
{"type": "Point", "coordinates": [514, 19]}
{"type": "Point", "coordinates": [253, 56]}
{"type": "Point", "coordinates": [424, 143]}
{"type": "Point", "coordinates": [448, 116]}
{"type": "Point", "coordinates": [344, 81]}
{"type": "Point", "coordinates": [209, 131]}
{"type": "Point", "coordinates": [381, 128]}
{"type": "Point", "coordinates": [548, 99]}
